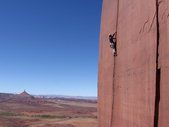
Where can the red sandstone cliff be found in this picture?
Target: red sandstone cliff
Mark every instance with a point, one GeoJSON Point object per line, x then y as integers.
{"type": "Point", "coordinates": [131, 83]}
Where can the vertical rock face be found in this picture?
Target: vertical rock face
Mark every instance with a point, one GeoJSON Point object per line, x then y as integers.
{"type": "Point", "coordinates": [163, 17]}
{"type": "Point", "coordinates": [128, 82]}
{"type": "Point", "coordinates": [135, 65]}
{"type": "Point", "coordinates": [106, 66]}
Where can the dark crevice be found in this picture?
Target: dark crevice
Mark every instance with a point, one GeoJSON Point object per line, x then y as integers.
{"type": "Point", "coordinates": [158, 33]}
{"type": "Point", "coordinates": [157, 97]}
{"type": "Point", "coordinates": [158, 71]}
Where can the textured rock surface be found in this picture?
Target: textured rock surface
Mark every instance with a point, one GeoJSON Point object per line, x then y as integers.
{"type": "Point", "coordinates": [164, 62]}
{"type": "Point", "coordinates": [128, 99]}
{"type": "Point", "coordinates": [135, 65]}
{"type": "Point", "coordinates": [106, 63]}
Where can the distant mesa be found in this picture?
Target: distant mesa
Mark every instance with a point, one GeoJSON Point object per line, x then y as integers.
{"type": "Point", "coordinates": [25, 94]}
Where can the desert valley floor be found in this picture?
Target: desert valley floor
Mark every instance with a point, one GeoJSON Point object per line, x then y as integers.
{"type": "Point", "coordinates": [28, 111]}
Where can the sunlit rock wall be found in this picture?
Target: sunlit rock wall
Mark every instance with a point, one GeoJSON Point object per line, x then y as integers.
{"type": "Point", "coordinates": [127, 83]}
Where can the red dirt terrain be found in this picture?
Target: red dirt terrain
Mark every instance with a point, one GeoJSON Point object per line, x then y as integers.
{"type": "Point", "coordinates": [24, 110]}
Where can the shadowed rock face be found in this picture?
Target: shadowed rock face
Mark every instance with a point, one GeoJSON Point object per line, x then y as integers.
{"type": "Point", "coordinates": [129, 85]}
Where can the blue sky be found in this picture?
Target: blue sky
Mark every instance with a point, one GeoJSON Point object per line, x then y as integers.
{"type": "Point", "coordinates": [49, 46]}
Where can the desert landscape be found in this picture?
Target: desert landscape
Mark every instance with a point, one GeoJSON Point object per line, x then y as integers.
{"type": "Point", "coordinates": [24, 110]}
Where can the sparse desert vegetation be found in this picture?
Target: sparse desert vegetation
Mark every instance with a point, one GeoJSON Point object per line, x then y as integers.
{"type": "Point", "coordinates": [28, 111]}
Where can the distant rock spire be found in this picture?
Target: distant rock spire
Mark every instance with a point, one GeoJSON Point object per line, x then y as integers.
{"type": "Point", "coordinates": [25, 94]}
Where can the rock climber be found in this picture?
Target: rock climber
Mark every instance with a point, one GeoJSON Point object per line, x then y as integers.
{"type": "Point", "coordinates": [112, 39]}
